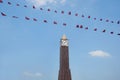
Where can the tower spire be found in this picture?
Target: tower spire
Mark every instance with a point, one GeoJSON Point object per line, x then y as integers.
{"type": "Point", "coordinates": [64, 37]}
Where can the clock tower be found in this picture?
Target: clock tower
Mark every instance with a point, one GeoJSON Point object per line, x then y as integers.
{"type": "Point", "coordinates": [64, 71]}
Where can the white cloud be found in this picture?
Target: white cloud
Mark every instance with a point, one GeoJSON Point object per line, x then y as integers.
{"type": "Point", "coordinates": [39, 3]}
{"type": "Point", "coordinates": [29, 74]}
{"type": "Point", "coordinates": [62, 1]}
{"type": "Point", "coordinates": [99, 53]}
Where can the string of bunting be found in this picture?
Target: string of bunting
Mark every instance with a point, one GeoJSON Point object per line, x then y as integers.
{"type": "Point", "coordinates": [64, 24]}
{"type": "Point", "coordinates": [69, 13]}
{"type": "Point", "coordinates": [95, 29]}
{"type": "Point", "coordinates": [34, 19]}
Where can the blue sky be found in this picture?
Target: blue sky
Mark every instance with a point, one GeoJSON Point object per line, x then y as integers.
{"type": "Point", "coordinates": [29, 50]}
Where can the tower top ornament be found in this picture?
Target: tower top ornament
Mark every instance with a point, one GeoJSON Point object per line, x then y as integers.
{"type": "Point", "coordinates": [64, 41]}
{"type": "Point", "coordinates": [64, 37]}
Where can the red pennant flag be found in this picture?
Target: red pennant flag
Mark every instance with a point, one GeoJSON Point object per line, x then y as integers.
{"type": "Point", "coordinates": [88, 16]}
{"type": "Point", "coordinates": [48, 9]}
{"type": "Point", "coordinates": [107, 20]}
{"type": "Point", "coordinates": [77, 26]}
{"type": "Point", "coordinates": [64, 24]}
{"type": "Point", "coordinates": [9, 3]}
{"type": "Point", "coordinates": [118, 22]}
{"type": "Point", "coordinates": [118, 34]}
{"type": "Point", "coordinates": [45, 21]}
{"type": "Point", "coordinates": [1, 1]}
{"type": "Point", "coordinates": [54, 22]}
{"type": "Point", "coordinates": [27, 18]}
{"type": "Point", "coordinates": [104, 30]}
{"type": "Point", "coordinates": [3, 14]}
{"type": "Point", "coordinates": [14, 17]}
{"type": "Point", "coordinates": [76, 14]}
{"type": "Point", "coordinates": [94, 18]}
{"type": "Point", "coordinates": [17, 5]}
{"type": "Point", "coordinates": [25, 5]}
{"type": "Point", "coordinates": [86, 28]}
{"type": "Point", "coordinates": [69, 13]}
{"type": "Point", "coordinates": [82, 15]}
{"type": "Point", "coordinates": [41, 8]}
{"type": "Point", "coordinates": [112, 32]}
{"type": "Point", "coordinates": [81, 26]}
{"type": "Point", "coordinates": [33, 7]}
{"type": "Point", "coordinates": [100, 19]}
{"type": "Point", "coordinates": [34, 19]}
{"type": "Point", "coordinates": [62, 12]}
{"type": "Point", "coordinates": [55, 11]}
{"type": "Point", "coordinates": [95, 29]}
{"type": "Point", "coordinates": [112, 21]}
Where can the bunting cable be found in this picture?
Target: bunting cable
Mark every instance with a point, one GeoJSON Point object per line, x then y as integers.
{"type": "Point", "coordinates": [63, 24]}
{"type": "Point", "coordinates": [69, 13]}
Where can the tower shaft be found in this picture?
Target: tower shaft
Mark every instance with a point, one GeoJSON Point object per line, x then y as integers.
{"type": "Point", "coordinates": [64, 72]}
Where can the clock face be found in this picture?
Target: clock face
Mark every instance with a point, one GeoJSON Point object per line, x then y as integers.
{"type": "Point", "coordinates": [64, 43]}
